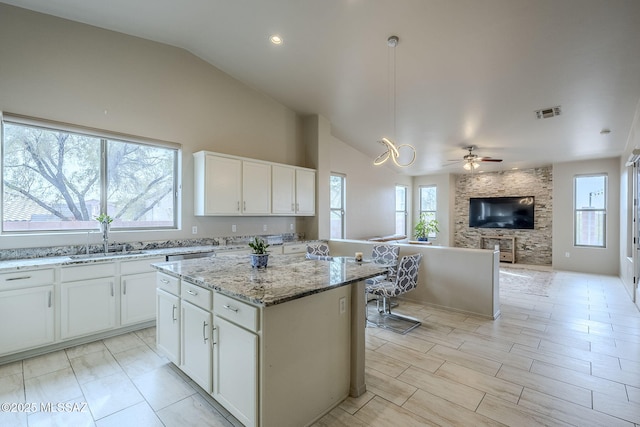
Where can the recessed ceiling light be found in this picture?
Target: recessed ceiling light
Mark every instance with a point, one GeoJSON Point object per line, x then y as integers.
{"type": "Point", "coordinates": [275, 39]}
{"type": "Point", "coordinates": [514, 169]}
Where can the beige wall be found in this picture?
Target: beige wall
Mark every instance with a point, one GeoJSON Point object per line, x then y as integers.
{"type": "Point", "coordinates": [370, 192]}
{"type": "Point", "coordinates": [585, 259]}
{"type": "Point", "coordinates": [66, 71]}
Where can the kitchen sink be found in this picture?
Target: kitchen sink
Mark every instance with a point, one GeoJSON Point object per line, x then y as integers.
{"type": "Point", "coordinates": [106, 255]}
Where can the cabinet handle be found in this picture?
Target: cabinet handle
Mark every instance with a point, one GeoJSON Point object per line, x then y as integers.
{"type": "Point", "coordinates": [228, 307]}
{"type": "Point", "coordinates": [244, 205]}
{"type": "Point", "coordinates": [297, 207]}
{"type": "Point", "coordinates": [238, 206]}
{"type": "Point", "coordinates": [165, 281]}
{"type": "Point", "coordinates": [204, 332]}
{"type": "Point", "coordinates": [18, 278]}
{"type": "Point", "coordinates": [124, 288]}
{"type": "Point", "coordinates": [293, 207]}
{"type": "Point", "coordinates": [213, 341]}
{"type": "Point", "coordinates": [112, 290]}
{"type": "Point", "coordinates": [190, 292]}
{"type": "Point", "coordinates": [49, 303]}
{"type": "Point", "coordinates": [173, 314]}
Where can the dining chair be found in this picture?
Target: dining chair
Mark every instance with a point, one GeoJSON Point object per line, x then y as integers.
{"type": "Point", "coordinates": [319, 251]}
{"type": "Point", "coordinates": [406, 280]}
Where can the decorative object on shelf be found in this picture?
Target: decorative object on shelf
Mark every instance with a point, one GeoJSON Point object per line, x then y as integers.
{"type": "Point", "coordinates": [393, 150]}
{"type": "Point", "coordinates": [424, 227]}
{"type": "Point", "coordinates": [260, 256]}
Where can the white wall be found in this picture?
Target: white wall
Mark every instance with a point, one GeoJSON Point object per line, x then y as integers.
{"type": "Point", "coordinates": [370, 192]}
{"type": "Point", "coordinates": [585, 259]}
{"type": "Point", "coordinates": [445, 202]}
{"type": "Point", "coordinates": [61, 70]}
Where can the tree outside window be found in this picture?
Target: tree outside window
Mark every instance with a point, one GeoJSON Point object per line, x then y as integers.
{"type": "Point", "coordinates": [57, 180]}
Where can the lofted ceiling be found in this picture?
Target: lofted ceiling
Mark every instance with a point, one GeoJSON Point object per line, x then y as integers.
{"type": "Point", "coordinates": [468, 72]}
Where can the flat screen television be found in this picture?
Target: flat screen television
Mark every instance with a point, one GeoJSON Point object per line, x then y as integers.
{"type": "Point", "coordinates": [502, 212]}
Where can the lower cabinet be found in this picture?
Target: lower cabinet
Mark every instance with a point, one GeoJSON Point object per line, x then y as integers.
{"type": "Point", "coordinates": [196, 357]}
{"type": "Point", "coordinates": [235, 370]}
{"type": "Point", "coordinates": [26, 318]}
{"type": "Point", "coordinates": [168, 325]}
{"type": "Point", "coordinates": [137, 303]}
{"type": "Point", "coordinates": [86, 307]}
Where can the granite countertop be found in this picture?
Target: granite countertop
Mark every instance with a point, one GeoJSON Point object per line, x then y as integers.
{"type": "Point", "coordinates": [288, 277]}
{"type": "Point", "coordinates": [43, 262]}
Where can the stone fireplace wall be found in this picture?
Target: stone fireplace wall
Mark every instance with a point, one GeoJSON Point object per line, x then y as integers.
{"type": "Point", "coordinates": [532, 246]}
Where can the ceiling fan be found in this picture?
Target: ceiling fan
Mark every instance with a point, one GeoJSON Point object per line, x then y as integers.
{"type": "Point", "coordinates": [472, 161]}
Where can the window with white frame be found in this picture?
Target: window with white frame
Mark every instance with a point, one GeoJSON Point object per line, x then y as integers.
{"type": "Point", "coordinates": [401, 210]}
{"type": "Point", "coordinates": [59, 178]}
{"type": "Point", "coordinates": [590, 210]}
{"type": "Point", "coordinates": [428, 203]}
{"type": "Point", "coordinates": [337, 206]}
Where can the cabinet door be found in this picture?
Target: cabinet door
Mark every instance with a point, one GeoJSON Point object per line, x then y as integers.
{"type": "Point", "coordinates": [26, 318]}
{"type": "Point", "coordinates": [86, 307]}
{"type": "Point", "coordinates": [305, 192]}
{"type": "Point", "coordinates": [256, 188]}
{"type": "Point", "coordinates": [222, 187]}
{"type": "Point", "coordinates": [196, 344]}
{"type": "Point", "coordinates": [283, 191]}
{"type": "Point", "coordinates": [236, 370]}
{"type": "Point", "coordinates": [168, 325]}
{"type": "Point", "coordinates": [137, 303]}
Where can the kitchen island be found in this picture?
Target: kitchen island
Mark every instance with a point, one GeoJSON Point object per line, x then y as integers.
{"type": "Point", "coordinates": [279, 346]}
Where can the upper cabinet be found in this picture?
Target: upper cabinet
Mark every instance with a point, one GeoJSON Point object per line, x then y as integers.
{"type": "Point", "coordinates": [229, 185]}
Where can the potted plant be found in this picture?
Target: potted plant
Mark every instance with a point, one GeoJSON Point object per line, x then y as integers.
{"type": "Point", "coordinates": [105, 221]}
{"type": "Point", "coordinates": [424, 227]}
{"type": "Point", "coordinates": [259, 256]}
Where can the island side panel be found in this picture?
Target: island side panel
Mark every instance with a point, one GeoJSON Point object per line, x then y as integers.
{"type": "Point", "coordinates": [358, 323]}
{"type": "Point", "coordinates": [305, 363]}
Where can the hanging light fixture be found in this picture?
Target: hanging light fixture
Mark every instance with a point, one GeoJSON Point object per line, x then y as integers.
{"type": "Point", "coordinates": [471, 164]}
{"type": "Point", "coordinates": [392, 150]}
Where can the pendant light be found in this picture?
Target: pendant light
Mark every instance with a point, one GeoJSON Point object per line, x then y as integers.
{"type": "Point", "coordinates": [393, 150]}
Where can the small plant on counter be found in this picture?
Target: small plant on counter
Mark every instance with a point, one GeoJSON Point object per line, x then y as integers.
{"type": "Point", "coordinates": [259, 246]}
{"type": "Point", "coordinates": [104, 219]}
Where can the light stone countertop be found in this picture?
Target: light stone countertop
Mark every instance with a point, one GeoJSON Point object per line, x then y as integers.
{"type": "Point", "coordinates": [287, 277]}
{"type": "Point", "coordinates": [55, 261]}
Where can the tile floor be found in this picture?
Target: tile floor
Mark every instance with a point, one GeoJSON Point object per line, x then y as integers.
{"type": "Point", "coordinates": [572, 358]}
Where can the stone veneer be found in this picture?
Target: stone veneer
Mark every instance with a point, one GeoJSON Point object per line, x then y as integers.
{"type": "Point", "coordinates": [27, 253]}
{"type": "Point", "coordinates": [532, 246]}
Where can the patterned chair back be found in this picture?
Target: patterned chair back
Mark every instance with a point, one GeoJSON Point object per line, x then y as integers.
{"type": "Point", "coordinates": [407, 276]}
{"type": "Point", "coordinates": [318, 251]}
{"type": "Point", "coordinates": [386, 254]}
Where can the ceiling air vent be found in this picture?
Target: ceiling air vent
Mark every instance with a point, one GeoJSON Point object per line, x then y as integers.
{"type": "Point", "coordinates": [547, 113]}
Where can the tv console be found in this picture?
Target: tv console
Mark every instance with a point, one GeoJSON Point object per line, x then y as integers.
{"type": "Point", "coordinates": [507, 251]}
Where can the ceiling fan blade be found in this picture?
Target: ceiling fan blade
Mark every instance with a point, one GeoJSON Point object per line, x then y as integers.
{"type": "Point", "coordinates": [488, 159]}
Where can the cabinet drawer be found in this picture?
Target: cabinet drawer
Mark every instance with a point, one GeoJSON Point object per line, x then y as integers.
{"type": "Point", "coordinates": [196, 295]}
{"type": "Point", "coordinates": [19, 279]}
{"type": "Point", "coordinates": [139, 265]}
{"type": "Point", "coordinates": [91, 271]}
{"type": "Point", "coordinates": [294, 249]}
{"type": "Point", "coordinates": [168, 283]}
{"type": "Point", "coordinates": [236, 311]}
{"type": "Point", "coordinates": [506, 256]}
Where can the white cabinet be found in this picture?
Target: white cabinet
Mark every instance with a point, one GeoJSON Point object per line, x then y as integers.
{"type": "Point", "coordinates": [137, 291]}
{"type": "Point", "coordinates": [217, 185]}
{"type": "Point", "coordinates": [293, 191]}
{"type": "Point", "coordinates": [236, 370]}
{"type": "Point", "coordinates": [305, 192]}
{"type": "Point", "coordinates": [87, 306]}
{"type": "Point", "coordinates": [168, 325]}
{"type": "Point", "coordinates": [196, 358]}
{"type": "Point", "coordinates": [26, 317]}
{"type": "Point", "coordinates": [256, 188]}
{"type": "Point", "coordinates": [229, 185]}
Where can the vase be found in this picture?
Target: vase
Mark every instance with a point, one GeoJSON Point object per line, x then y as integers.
{"type": "Point", "coordinates": [259, 260]}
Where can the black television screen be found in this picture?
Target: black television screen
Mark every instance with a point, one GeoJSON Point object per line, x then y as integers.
{"type": "Point", "coordinates": [501, 212]}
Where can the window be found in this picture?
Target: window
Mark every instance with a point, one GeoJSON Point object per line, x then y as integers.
{"type": "Point", "coordinates": [401, 210]}
{"type": "Point", "coordinates": [57, 178]}
{"type": "Point", "coordinates": [337, 206]}
{"type": "Point", "coordinates": [590, 202]}
{"type": "Point", "coordinates": [428, 203]}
